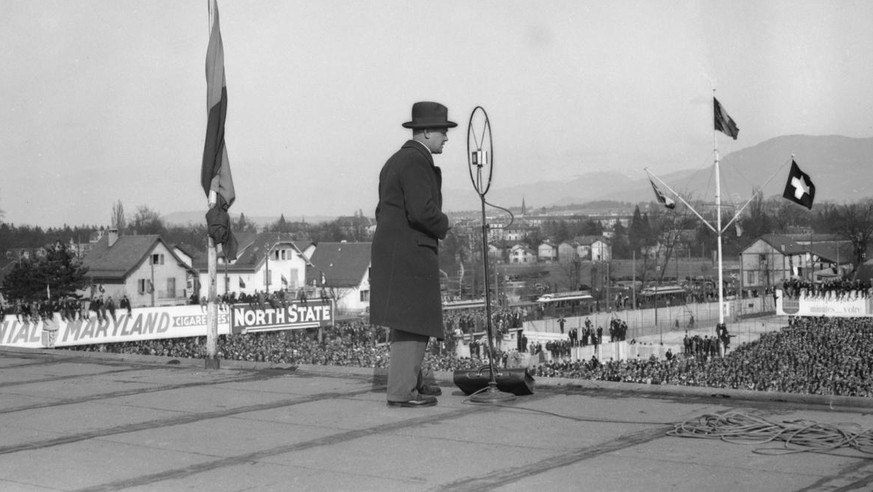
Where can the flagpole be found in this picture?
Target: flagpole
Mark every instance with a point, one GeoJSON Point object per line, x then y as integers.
{"type": "Point", "coordinates": [211, 306]}
{"type": "Point", "coordinates": [267, 273]}
{"type": "Point", "coordinates": [211, 361]}
{"type": "Point", "coordinates": [718, 222]}
{"type": "Point", "coordinates": [677, 195]}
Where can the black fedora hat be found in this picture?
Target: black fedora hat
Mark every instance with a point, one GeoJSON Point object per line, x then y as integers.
{"type": "Point", "coordinates": [428, 114]}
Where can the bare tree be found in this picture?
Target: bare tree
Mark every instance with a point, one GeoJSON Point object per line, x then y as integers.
{"type": "Point", "coordinates": [786, 215]}
{"type": "Point", "coordinates": [855, 223]}
{"type": "Point", "coordinates": [118, 221]}
{"type": "Point", "coordinates": [147, 221]}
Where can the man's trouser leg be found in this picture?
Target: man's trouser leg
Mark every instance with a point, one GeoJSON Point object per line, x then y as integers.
{"type": "Point", "coordinates": [404, 371]}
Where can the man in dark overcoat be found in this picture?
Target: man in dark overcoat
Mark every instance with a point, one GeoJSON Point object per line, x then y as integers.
{"type": "Point", "coordinates": [404, 276]}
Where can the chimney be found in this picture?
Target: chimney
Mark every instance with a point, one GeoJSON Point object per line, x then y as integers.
{"type": "Point", "coordinates": [113, 236]}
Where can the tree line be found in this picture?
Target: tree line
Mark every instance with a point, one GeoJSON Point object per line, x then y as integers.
{"type": "Point", "coordinates": [653, 234]}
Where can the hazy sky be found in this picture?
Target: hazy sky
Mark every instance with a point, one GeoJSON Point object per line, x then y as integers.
{"type": "Point", "coordinates": [105, 100]}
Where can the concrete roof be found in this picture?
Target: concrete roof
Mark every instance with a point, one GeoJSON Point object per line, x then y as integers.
{"type": "Point", "coordinates": [94, 421]}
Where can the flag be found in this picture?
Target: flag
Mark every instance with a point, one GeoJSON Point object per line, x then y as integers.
{"type": "Point", "coordinates": [215, 172]}
{"type": "Point", "coordinates": [284, 280]}
{"type": "Point", "coordinates": [242, 285]}
{"type": "Point", "coordinates": [799, 188]}
{"type": "Point", "coordinates": [723, 122]}
{"type": "Point", "coordinates": [667, 201]}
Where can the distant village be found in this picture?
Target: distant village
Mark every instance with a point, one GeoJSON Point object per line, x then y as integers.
{"type": "Point", "coordinates": [604, 250]}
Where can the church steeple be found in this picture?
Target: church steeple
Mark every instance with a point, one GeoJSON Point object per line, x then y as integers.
{"type": "Point", "coordinates": [523, 208]}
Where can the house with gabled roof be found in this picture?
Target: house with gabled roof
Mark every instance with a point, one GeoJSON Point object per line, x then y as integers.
{"type": "Point", "coordinates": [594, 248]}
{"type": "Point", "coordinates": [144, 268]}
{"type": "Point", "coordinates": [772, 258]}
{"type": "Point", "coordinates": [342, 272]}
{"type": "Point", "coordinates": [521, 253]}
{"type": "Point", "coordinates": [547, 252]}
{"type": "Point", "coordinates": [266, 262]}
{"type": "Point", "coordinates": [568, 251]}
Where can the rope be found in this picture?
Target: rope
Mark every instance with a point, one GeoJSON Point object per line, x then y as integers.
{"type": "Point", "coordinates": [797, 436]}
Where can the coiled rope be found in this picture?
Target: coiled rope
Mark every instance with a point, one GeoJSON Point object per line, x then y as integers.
{"type": "Point", "coordinates": [797, 436]}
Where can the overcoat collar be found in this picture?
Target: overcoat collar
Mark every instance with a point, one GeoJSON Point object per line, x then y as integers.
{"type": "Point", "coordinates": [412, 144]}
{"type": "Point", "coordinates": [418, 146]}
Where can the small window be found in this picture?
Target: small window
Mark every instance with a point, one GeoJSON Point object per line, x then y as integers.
{"type": "Point", "coordinates": [365, 296]}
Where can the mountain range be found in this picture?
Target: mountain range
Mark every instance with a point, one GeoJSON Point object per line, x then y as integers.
{"type": "Point", "coordinates": [838, 166]}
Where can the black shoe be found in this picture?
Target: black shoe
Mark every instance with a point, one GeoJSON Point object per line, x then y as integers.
{"type": "Point", "coordinates": [429, 390]}
{"type": "Point", "coordinates": [421, 401]}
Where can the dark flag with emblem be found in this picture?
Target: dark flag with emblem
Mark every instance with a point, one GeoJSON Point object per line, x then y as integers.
{"type": "Point", "coordinates": [799, 188]}
{"type": "Point", "coordinates": [723, 122]}
{"type": "Point", "coordinates": [664, 199]}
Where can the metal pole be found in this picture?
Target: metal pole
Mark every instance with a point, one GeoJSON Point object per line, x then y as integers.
{"type": "Point", "coordinates": [152, 265]}
{"type": "Point", "coordinates": [487, 289]}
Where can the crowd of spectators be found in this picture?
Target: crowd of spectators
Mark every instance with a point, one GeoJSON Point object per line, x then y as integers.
{"type": "Point", "coordinates": [353, 343]}
{"type": "Point", "coordinates": [825, 356]}
{"type": "Point", "coordinates": [475, 320]}
{"type": "Point", "coordinates": [836, 288]}
{"type": "Point", "coordinates": [699, 347]}
{"type": "Point", "coordinates": [258, 299]}
{"type": "Point", "coordinates": [69, 308]}
{"type": "Point", "coordinates": [819, 356]}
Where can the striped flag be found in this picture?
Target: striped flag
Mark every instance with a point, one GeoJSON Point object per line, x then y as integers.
{"type": "Point", "coordinates": [664, 199]}
{"type": "Point", "coordinates": [215, 173]}
{"type": "Point", "coordinates": [723, 122]}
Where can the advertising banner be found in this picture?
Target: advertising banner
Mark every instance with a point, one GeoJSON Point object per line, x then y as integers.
{"type": "Point", "coordinates": [141, 324]}
{"type": "Point", "coordinates": [846, 307]}
{"type": "Point", "coordinates": [297, 315]}
{"type": "Point", "coordinates": [160, 323]}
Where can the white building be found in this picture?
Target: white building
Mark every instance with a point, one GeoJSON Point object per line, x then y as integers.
{"type": "Point", "coordinates": [773, 258]}
{"type": "Point", "coordinates": [520, 253]}
{"type": "Point", "coordinates": [144, 268]}
{"type": "Point", "coordinates": [594, 248]}
{"type": "Point", "coordinates": [266, 262]}
{"type": "Point", "coordinates": [341, 271]}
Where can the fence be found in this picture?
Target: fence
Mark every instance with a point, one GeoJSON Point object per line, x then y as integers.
{"type": "Point", "coordinates": [651, 321]}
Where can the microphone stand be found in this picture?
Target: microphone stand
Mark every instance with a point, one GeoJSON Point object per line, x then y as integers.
{"type": "Point", "coordinates": [479, 158]}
